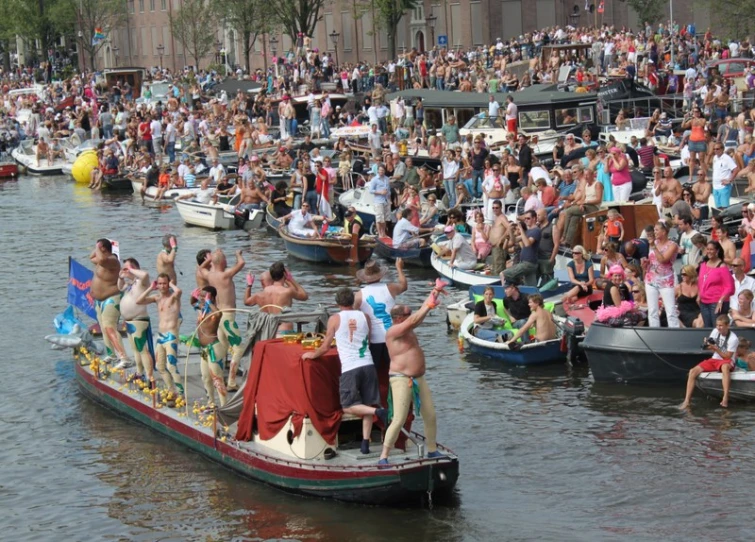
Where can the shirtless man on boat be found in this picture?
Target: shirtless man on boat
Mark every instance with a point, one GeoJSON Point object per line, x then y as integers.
{"type": "Point", "coordinates": [359, 391]}
{"type": "Point", "coordinates": [213, 351]}
{"type": "Point", "coordinates": [166, 260]}
{"type": "Point", "coordinates": [407, 376]}
{"type": "Point", "coordinates": [107, 297]}
{"type": "Point", "coordinates": [133, 282]}
{"type": "Point", "coordinates": [220, 277]}
{"type": "Point", "coordinates": [204, 259]}
{"type": "Point", "coordinates": [168, 300]}
{"type": "Point", "coordinates": [278, 295]}
{"type": "Point", "coordinates": [252, 197]}
{"type": "Point", "coordinates": [541, 319]}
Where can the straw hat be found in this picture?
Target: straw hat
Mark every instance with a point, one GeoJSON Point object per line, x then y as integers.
{"type": "Point", "coordinates": [372, 272]}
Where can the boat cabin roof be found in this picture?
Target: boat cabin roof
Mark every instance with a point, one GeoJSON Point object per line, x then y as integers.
{"type": "Point", "coordinates": [536, 95]}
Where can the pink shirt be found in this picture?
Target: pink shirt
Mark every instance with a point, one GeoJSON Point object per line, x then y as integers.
{"type": "Point", "coordinates": [619, 176]}
{"type": "Point", "coordinates": [715, 283]}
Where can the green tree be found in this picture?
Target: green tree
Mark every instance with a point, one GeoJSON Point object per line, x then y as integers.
{"type": "Point", "coordinates": [98, 14]}
{"type": "Point", "coordinates": [191, 25]}
{"type": "Point", "coordinates": [298, 16]}
{"type": "Point", "coordinates": [651, 11]}
{"type": "Point", "coordinates": [249, 18]}
{"type": "Point", "coordinates": [43, 20]}
{"type": "Point", "coordinates": [732, 18]}
{"type": "Point", "coordinates": [390, 13]}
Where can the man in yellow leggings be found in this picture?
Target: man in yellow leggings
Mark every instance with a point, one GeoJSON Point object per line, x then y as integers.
{"type": "Point", "coordinates": [107, 297]}
{"type": "Point", "coordinates": [407, 377]}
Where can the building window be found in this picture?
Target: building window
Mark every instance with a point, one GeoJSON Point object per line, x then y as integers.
{"type": "Point", "coordinates": [141, 6]}
{"type": "Point", "coordinates": [152, 5]}
{"type": "Point", "coordinates": [418, 14]}
{"type": "Point", "coordinates": [163, 5]}
{"type": "Point", "coordinates": [130, 6]}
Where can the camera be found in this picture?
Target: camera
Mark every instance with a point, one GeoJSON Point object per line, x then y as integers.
{"type": "Point", "coordinates": [708, 341]}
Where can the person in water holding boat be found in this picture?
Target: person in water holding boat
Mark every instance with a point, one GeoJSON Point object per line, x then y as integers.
{"type": "Point", "coordinates": [168, 301]}
{"type": "Point", "coordinates": [166, 260]}
{"type": "Point", "coordinates": [407, 376]}
{"type": "Point", "coordinates": [540, 319]}
{"type": "Point", "coordinates": [276, 296]}
{"type": "Point", "coordinates": [212, 349]}
{"type": "Point", "coordinates": [133, 282]}
{"type": "Point", "coordinates": [723, 343]}
{"type": "Point", "coordinates": [220, 277]}
{"type": "Point", "coordinates": [359, 389]}
{"type": "Point", "coordinates": [107, 297]}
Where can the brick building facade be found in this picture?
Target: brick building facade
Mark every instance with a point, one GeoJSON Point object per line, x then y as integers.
{"type": "Point", "coordinates": [460, 23]}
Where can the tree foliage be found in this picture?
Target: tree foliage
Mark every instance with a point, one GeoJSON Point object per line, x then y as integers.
{"type": "Point", "coordinates": [192, 26]}
{"type": "Point", "coordinates": [98, 14]}
{"type": "Point", "coordinates": [651, 11]}
{"type": "Point", "coordinates": [43, 20]}
{"type": "Point", "coordinates": [390, 13]}
{"type": "Point", "coordinates": [248, 18]}
{"type": "Point", "coordinates": [298, 16]}
{"type": "Point", "coordinates": [733, 18]}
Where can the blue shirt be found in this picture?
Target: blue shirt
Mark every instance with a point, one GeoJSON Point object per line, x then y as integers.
{"type": "Point", "coordinates": [378, 184]}
{"type": "Point", "coordinates": [566, 189]}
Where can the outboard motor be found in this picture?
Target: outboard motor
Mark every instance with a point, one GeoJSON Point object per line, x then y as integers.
{"type": "Point", "coordinates": [240, 217]}
{"type": "Point", "coordinates": [573, 334]}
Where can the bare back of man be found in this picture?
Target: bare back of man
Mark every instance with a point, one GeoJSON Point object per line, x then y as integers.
{"type": "Point", "coordinates": [278, 295]}
{"type": "Point", "coordinates": [213, 349]}
{"type": "Point", "coordinates": [166, 259]}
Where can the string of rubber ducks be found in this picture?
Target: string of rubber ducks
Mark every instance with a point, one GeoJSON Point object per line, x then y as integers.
{"type": "Point", "coordinates": [135, 384]}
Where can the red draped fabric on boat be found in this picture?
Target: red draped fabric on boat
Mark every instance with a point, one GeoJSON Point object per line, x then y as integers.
{"type": "Point", "coordinates": [282, 384]}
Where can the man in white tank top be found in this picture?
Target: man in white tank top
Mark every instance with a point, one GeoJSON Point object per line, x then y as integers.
{"type": "Point", "coordinates": [359, 390]}
{"type": "Point", "coordinates": [376, 300]}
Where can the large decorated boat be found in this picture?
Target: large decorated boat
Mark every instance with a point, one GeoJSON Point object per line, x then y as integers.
{"type": "Point", "coordinates": [285, 427]}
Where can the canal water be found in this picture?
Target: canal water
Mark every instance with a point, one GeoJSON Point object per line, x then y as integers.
{"type": "Point", "coordinates": [546, 454]}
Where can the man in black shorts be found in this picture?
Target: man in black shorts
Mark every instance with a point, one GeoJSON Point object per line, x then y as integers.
{"type": "Point", "coordinates": [359, 390]}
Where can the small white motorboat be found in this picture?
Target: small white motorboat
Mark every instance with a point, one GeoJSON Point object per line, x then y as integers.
{"type": "Point", "coordinates": [26, 155]}
{"type": "Point", "coordinates": [212, 216]}
{"type": "Point", "coordinates": [218, 216]}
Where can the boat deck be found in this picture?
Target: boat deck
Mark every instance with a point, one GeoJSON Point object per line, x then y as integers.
{"type": "Point", "coordinates": [348, 453]}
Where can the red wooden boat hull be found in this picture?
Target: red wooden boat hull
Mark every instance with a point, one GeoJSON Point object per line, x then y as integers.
{"type": "Point", "coordinates": [8, 171]}
{"type": "Point", "coordinates": [363, 484]}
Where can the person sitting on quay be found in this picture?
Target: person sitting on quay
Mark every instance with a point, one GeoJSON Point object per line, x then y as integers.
{"type": "Point", "coordinates": [723, 343]}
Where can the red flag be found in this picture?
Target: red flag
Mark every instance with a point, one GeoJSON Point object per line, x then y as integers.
{"type": "Point", "coordinates": [601, 7]}
{"type": "Point", "coordinates": [747, 252]}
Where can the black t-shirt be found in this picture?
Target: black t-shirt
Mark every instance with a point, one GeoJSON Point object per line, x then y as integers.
{"type": "Point", "coordinates": [478, 159]}
{"type": "Point", "coordinates": [224, 185]}
{"type": "Point", "coordinates": [307, 146]}
{"type": "Point", "coordinates": [311, 178]}
{"type": "Point", "coordinates": [623, 294]}
{"type": "Point", "coordinates": [519, 309]}
{"type": "Point", "coordinates": [481, 310]}
{"type": "Point", "coordinates": [152, 175]}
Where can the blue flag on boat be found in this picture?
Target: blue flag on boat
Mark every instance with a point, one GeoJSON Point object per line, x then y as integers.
{"type": "Point", "coordinates": [79, 284]}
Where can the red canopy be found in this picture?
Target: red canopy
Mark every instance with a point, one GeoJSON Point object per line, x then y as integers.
{"type": "Point", "coordinates": [281, 384]}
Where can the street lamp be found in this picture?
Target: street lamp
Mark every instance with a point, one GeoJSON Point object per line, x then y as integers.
{"type": "Point", "coordinates": [273, 45]}
{"type": "Point", "coordinates": [217, 51]}
{"type": "Point", "coordinates": [334, 38]}
{"type": "Point", "coordinates": [160, 51]}
{"type": "Point", "coordinates": [115, 52]}
{"type": "Point", "coordinates": [431, 20]}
